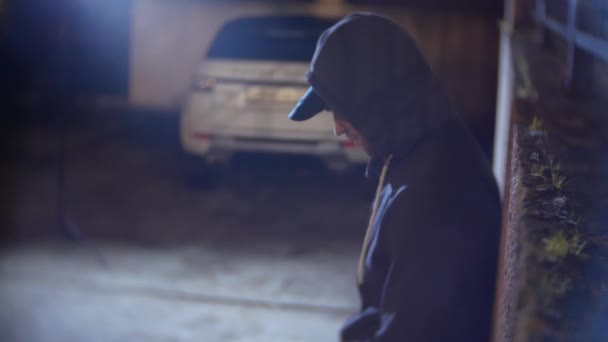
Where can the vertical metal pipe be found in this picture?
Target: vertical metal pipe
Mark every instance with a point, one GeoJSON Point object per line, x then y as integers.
{"type": "Point", "coordinates": [571, 39]}
{"type": "Point", "coordinates": [540, 10]}
{"type": "Point", "coordinates": [503, 111]}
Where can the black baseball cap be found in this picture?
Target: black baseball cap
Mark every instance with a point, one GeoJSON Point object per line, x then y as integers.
{"type": "Point", "coordinates": [357, 59]}
{"type": "Point", "coordinates": [308, 106]}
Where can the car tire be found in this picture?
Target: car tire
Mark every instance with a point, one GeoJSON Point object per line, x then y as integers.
{"type": "Point", "coordinates": [198, 173]}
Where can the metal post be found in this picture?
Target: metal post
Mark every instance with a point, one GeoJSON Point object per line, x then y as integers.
{"type": "Point", "coordinates": [503, 111]}
{"type": "Point", "coordinates": [571, 39]}
{"type": "Point", "coordinates": [541, 12]}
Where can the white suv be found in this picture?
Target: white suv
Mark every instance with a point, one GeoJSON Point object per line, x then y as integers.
{"type": "Point", "coordinates": [243, 91]}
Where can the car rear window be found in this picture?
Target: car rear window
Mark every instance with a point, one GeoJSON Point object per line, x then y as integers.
{"type": "Point", "coordinates": [269, 38]}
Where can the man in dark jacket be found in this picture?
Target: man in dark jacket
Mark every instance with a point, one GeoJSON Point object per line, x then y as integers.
{"type": "Point", "coordinates": [428, 263]}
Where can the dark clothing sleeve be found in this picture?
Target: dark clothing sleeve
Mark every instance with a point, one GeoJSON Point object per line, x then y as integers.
{"type": "Point", "coordinates": [431, 296]}
{"type": "Point", "coordinates": [362, 326]}
{"type": "Point", "coordinates": [440, 285]}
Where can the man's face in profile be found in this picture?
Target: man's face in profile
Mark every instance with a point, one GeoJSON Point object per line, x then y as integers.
{"type": "Point", "coordinates": [342, 126]}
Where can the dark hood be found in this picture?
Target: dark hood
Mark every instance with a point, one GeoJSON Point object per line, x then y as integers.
{"type": "Point", "coordinates": [370, 71]}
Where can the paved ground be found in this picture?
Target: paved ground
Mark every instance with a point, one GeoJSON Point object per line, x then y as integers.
{"type": "Point", "coordinates": [269, 255]}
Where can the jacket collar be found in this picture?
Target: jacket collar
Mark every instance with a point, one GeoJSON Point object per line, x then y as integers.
{"type": "Point", "coordinates": [398, 158]}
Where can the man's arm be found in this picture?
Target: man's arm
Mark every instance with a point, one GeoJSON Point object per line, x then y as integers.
{"type": "Point", "coordinates": [441, 282]}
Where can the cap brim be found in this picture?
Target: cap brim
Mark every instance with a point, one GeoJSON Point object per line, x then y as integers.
{"type": "Point", "coordinates": [309, 105]}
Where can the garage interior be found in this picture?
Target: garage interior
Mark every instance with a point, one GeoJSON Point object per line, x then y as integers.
{"type": "Point", "coordinates": [104, 241]}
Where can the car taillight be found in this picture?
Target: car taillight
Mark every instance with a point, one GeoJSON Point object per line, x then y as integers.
{"type": "Point", "coordinates": [205, 84]}
{"type": "Point", "coordinates": [202, 136]}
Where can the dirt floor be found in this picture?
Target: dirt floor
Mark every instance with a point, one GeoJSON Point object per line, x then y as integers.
{"type": "Point", "coordinates": [269, 255]}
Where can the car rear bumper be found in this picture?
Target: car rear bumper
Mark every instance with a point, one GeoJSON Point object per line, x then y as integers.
{"type": "Point", "coordinates": [222, 147]}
